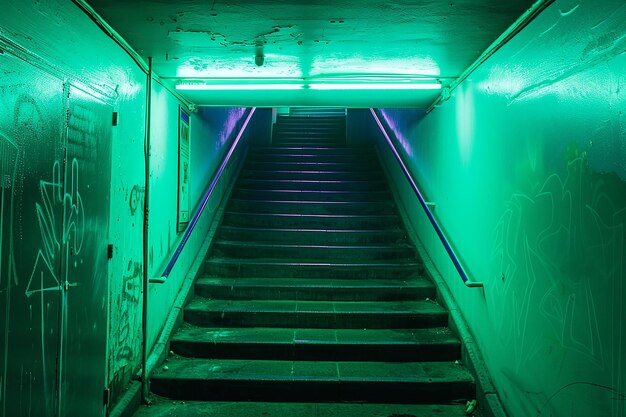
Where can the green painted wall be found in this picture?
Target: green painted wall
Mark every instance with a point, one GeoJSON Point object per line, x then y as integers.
{"type": "Point", "coordinates": [212, 131]}
{"type": "Point", "coordinates": [59, 46]}
{"type": "Point", "coordinates": [527, 166]}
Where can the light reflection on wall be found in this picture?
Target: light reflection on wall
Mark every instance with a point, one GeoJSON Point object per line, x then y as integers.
{"type": "Point", "coordinates": [404, 141]}
{"type": "Point", "coordinates": [232, 122]}
{"type": "Point", "coordinates": [465, 122]}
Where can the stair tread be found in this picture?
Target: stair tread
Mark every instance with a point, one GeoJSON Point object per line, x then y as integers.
{"type": "Point", "coordinates": [277, 150]}
{"type": "Point", "coordinates": [345, 182]}
{"type": "Point", "coordinates": [315, 192]}
{"type": "Point", "coordinates": [312, 202]}
{"type": "Point", "coordinates": [339, 216]}
{"type": "Point", "coordinates": [316, 234]}
{"type": "Point", "coordinates": [314, 220]}
{"type": "Point", "coordinates": [275, 335]}
{"type": "Point", "coordinates": [422, 307]}
{"type": "Point", "coordinates": [163, 407]}
{"type": "Point", "coordinates": [345, 167]}
{"type": "Point", "coordinates": [261, 244]}
{"type": "Point", "coordinates": [323, 289]}
{"type": "Point", "coordinates": [304, 171]}
{"type": "Point", "coordinates": [243, 193]}
{"type": "Point", "coordinates": [333, 264]}
{"type": "Point", "coordinates": [415, 282]}
{"type": "Point", "coordinates": [272, 370]}
{"type": "Point", "coordinates": [313, 230]}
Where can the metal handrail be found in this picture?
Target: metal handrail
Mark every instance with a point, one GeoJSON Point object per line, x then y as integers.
{"type": "Point", "coordinates": [448, 247]}
{"type": "Point", "coordinates": [205, 199]}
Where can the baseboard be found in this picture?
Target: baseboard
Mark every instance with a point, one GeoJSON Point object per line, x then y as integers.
{"type": "Point", "coordinates": [128, 402]}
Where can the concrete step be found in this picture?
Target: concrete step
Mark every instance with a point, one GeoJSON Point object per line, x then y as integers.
{"type": "Point", "coordinates": [318, 221]}
{"type": "Point", "coordinates": [309, 122]}
{"type": "Point", "coordinates": [255, 380]}
{"type": "Point", "coordinates": [319, 137]}
{"type": "Point", "coordinates": [312, 235]}
{"type": "Point", "coordinates": [315, 314]}
{"type": "Point", "coordinates": [311, 207]}
{"type": "Point", "coordinates": [303, 156]}
{"type": "Point", "coordinates": [311, 129]}
{"type": "Point", "coordinates": [279, 268]}
{"type": "Point", "coordinates": [165, 407]}
{"type": "Point", "coordinates": [298, 195]}
{"type": "Point", "coordinates": [312, 185]}
{"type": "Point", "coordinates": [436, 344]}
{"type": "Point", "coordinates": [308, 252]}
{"type": "Point", "coordinates": [273, 150]}
{"type": "Point", "coordinates": [311, 166]}
{"type": "Point", "coordinates": [301, 120]}
{"type": "Point", "coordinates": [312, 175]}
{"type": "Point", "coordinates": [306, 144]}
{"type": "Point", "coordinates": [312, 289]}
{"type": "Point", "coordinates": [317, 111]}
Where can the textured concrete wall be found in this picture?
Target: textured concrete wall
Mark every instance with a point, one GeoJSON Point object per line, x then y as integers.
{"type": "Point", "coordinates": [46, 47]}
{"type": "Point", "coordinates": [59, 46]}
{"type": "Point", "coordinates": [527, 165]}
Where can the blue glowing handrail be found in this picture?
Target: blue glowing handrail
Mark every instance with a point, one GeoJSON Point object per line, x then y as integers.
{"type": "Point", "coordinates": [453, 257]}
{"type": "Point", "coordinates": [200, 209]}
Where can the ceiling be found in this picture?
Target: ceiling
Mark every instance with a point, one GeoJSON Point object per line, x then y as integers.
{"type": "Point", "coordinates": [314, 41]}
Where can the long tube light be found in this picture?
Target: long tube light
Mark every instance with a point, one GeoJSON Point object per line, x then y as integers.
{"type": "Point", "coordinates": [311, 86]}
{"type": "Point", "coordinates": [238, 87]}
{"type": "Point", "coordinates": [376, 86]}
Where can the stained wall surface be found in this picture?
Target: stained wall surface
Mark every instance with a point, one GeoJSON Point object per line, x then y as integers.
{"type": "Point", "coordinates": [527, 166]}
{"type": "Point", "coordinates": [72, 184]}
{"type": "Point", "coordinates": [62, 207]}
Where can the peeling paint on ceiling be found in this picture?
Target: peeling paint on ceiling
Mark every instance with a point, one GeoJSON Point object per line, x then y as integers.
{"type": "Point", "coordinates": [322, 38]}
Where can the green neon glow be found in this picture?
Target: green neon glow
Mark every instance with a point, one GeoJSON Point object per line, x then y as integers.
{"type": "Point", "coordinates": [238, 87]}
{"type": "Point", "coordinates": [378, 86]}
{"type": "Point", "coordinates": [316, 86]}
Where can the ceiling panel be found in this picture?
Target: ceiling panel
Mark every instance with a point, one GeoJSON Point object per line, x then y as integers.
{"type": "Point", "coordinates": [317, 39]}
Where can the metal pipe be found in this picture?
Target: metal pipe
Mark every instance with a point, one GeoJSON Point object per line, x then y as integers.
{"type": "Point", "coordinates": [146, 212]}
{"type": "Point", "coordinates": [446, 244]}
{"type": "Point", "coordinates": [205, 199]}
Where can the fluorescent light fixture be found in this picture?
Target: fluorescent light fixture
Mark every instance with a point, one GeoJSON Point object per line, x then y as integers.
{"type": "Point", "coordinates": [238, 87]}
{"type": "Point", "coordinates": [376, 86]}
{"type": "Point", "coordinates": [366, 86]}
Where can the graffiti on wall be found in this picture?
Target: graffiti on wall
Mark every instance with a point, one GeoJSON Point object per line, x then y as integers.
{"type": "Point", "coordinates": [131, 293]}
{"type": "Point", "coordinates": [71, 226]}
{"type": "Point", "coordinates": [559, 260]}
{"type": "Point", "coordinates": [125, 312]}
{"type": "Point", "coordinates": [61, 239]}
{"type": "Point", "coordinates": [28, 345]}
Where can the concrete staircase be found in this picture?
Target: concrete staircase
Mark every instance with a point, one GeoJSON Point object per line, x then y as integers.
{"type": "Point", "coordinates": [313, 301]}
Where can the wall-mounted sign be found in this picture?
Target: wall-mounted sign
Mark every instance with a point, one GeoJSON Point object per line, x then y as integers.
{"type": "Point", "coordinates": [183, 171]}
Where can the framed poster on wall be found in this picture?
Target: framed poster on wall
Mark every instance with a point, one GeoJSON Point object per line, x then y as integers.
{"type": "Point", "coordinates": [184, 211]}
